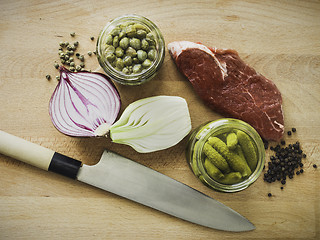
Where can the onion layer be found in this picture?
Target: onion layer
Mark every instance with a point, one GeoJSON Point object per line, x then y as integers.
{"type": "Point", "coordinates": [84, 104]}
{"type": "Point", "coordinates": [153, 124]}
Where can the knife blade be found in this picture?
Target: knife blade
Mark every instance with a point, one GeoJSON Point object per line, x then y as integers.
{"type": "Point", "coordinates": [126, 178]}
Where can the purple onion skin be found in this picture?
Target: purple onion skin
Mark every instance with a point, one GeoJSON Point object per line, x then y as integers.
{"type": "Point", "coordinates": [82, 115]}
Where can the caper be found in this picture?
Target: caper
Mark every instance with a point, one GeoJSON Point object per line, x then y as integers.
{"type": "Point", "coordinates": [110, 49]}
{"type": "Point", "coordinates": [142, 55]}
{"type": "Point", "coordinates": [131, 31]}
{"type": "Point", "coordinates": [122, 34]}
{"type": "Point", "coordinates": [135, 60]}
{"type": "Point", "coordinates": [125, 70]}
{"type": "Point", "coordinates": [115, 31]}
{"type": "Point", "coordinates": [137, 68]}
{"type": "Point", "coordinates": [127, 61]}
{"type": "Point", "coordinates": [110, 57]}
{"type": "Point", "coordinates": [147, 63]}
{"type": "Point", "coordinates": [135, 43]}
{"type": "Point", "coordinates": [119, 63]}
{"type": "Point", "coordinates": [131, 52]}
{"type": "Point", "coordinates": [109, 39]}
{"type": "Point", "coordinates": [139, 26]}
{"type": "Point", "coordinates": [141, 34]}
{"type": "Point", "coordinates": [144, 45]}
{"type": "Point", "coordinates": [119, 52]}
{"type": "Point", "coordinates": [152, 54]}
{"type": "Point", "coordinates": [124, 43]}
{"type": "Point", "coordinates": [115, 42]}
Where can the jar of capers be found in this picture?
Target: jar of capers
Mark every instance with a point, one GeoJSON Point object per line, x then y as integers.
{"type": "Point", "coordinates": [131, 49]}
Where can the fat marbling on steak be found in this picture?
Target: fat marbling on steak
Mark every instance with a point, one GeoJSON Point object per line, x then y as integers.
{"type": "Point", "coordinates": [231, 87]}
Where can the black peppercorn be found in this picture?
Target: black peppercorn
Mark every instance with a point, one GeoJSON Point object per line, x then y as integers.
{"type": "Point", "coordinates": [289, 133]}
{"type": "Point", "coordinates": [269, 194]}
{"type": "Point", "coordinates": [294, 129]}
{"type": "Point", "coordinates": [314, 165]}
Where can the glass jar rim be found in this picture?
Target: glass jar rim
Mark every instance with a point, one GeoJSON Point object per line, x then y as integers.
{"type": "Point", "coordinates": [219, 125]}
{"type": "Point", "coordinates": [132, 79]}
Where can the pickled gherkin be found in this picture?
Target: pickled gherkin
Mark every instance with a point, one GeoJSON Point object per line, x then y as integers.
{"type": "Point", "coordinates": [231, 178]}
{"type": "Point", "coordinates": [216, 158]}
{"type": "Point", "coordinates": [212, 170]}
{"type": "Point", "coordinates": [248, 149]}
{"type": "Point", "coordinates": [232, 140]}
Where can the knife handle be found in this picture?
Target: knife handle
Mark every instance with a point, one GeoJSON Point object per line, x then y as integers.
{"type": "Point", "coordinates": [38, 156]}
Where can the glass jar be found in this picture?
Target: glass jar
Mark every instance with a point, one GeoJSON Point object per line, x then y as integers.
{"type": "Point", "coordinates": [195, 155]}
{"type": "Point", "coordinates": [158, 44]}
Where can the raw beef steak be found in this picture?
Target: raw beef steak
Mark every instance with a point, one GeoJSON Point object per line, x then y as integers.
{"type": "Point", "coordinates": [229, 86]}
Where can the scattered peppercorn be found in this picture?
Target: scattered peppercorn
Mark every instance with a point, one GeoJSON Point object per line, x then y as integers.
{"type": "Point", "coordinates": [289, 133]}
{"type": "Point", "coordinates": [58, 78]}
{"type": "Point", "coordinates": [56, 65]}
{"type": "Point", "coordinates": [294, 129]}
{"type": "Point", "coordinates": [314, 165]}
{"type": "Point", "coordinates": [269, 194]}
{"type": "Point", "coordinates": [281, 188]}
{"type": "Point", "coordinates": [48, 77]}
{"type": "Point", "coordinates": [89, 53]}
{"type": "Point", "coordinates": [72, 34]}
{"type": "Point", "coordinates": [284, 163]}
{"type": "Point", "coordinates": [92, 38]}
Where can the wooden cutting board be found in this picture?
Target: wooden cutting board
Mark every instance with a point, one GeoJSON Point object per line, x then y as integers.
{"type": "Point", "coordinates": [280, 39]}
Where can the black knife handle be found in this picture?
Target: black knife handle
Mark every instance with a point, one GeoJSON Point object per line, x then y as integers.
{"type": "Point", "coordinates": [64, 165]}
{"type": "Point", "coordinates": [38, 156]}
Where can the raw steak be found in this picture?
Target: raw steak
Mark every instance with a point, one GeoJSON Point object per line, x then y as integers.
{"type": "Point", "coordinates": [229, 86]}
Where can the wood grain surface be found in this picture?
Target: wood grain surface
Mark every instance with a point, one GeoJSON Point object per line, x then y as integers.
{"type": "Point", "coordinates": [280, 39]}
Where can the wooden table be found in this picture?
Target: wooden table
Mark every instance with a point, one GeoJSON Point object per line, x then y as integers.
{"type": "Point", "coordinates": [280, 39]}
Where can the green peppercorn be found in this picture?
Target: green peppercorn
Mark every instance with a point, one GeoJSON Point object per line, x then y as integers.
{"type": "Point", "coordinates": [72, 34]}
{"type": "Point", "coordinates": [63, 61]}
{"type": "Point", "coordinates": [48, 77]}
{"type": "Point", "coordinates": [66, 44]}
{"type": "Point", "coordinates": [78, 68]}
{"type": "Point", "coordinates": [72, 69]}
{"type": "Point", "coordinates": [72, 64]}
{"type": "Point", "coordinates": [62, 44]}
{"type": "Point", "coordinates": [81, 58]}
{"type": "Point", "coordinates": [89, 53]}
{"type": "Point", "coordinates": [71, 59]}
{"type": "Point", "coordinates": [66, 56]}
{"type": "Point", "coordinates": [76, 44]}
{"type": "Point", "coordinates": [58, 78]}
{"type": "Point", "coordinates": [142, 55]}
{"type": "Point", "coordinates": [56, 65]}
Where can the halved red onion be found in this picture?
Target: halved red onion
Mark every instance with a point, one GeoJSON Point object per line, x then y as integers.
{"type": "Point", "coordinates": [84, 104]}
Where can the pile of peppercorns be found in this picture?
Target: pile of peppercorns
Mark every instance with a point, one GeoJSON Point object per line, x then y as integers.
{"type": "Point", "coordinates": [285, 163]}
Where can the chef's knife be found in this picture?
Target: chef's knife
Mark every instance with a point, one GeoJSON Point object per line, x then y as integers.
{"type": "Point", "coordinates": [133, 181]}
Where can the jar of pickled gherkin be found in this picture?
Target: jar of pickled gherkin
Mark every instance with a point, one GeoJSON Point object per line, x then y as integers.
{"type": "Point", "coordinates": [131, 49]}
{"type": "Point", "coordinates": [227, 155]}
